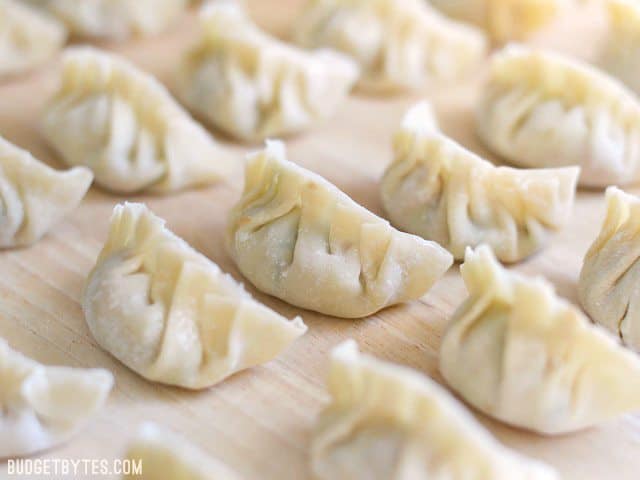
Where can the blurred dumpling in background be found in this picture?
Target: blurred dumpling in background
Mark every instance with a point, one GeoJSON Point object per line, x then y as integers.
{"type": "Point", "coordinates": [399, 44]}
{"type": "Point", "coordinates": [114, 19]}
{"type": "Point", "coordinates": [542, 109]}
{"type": "Point", "coordinates": [253, 86]}
{"type": "Point", "coordinates": [28, 37]}
{"type": "Point", "coordinates": [124, 125]}
{"type": "Point", "coordinates": [621, 53]}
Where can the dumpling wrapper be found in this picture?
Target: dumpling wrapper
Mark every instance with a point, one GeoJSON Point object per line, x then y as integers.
{"type": "Point", "coordinates": [163, 455]}
{"type": "Point", "coordinates": [620, 55]}
{"type": "Point", "coordinates": [441, 191]}
{"type": "Point", "coordinates": [170, 314]}
{"type": "Point", "coordinates": [42, 407]}
{"type": "Point", "coordinates": [399, 44]}
{"type": "Point", "coordinates": [27, 37]}
{"type": "Point", "coordinates": [388, 422]}
{"type": "Point", "coordinates": [253, 86]}
{"type": "Point", "coordinates": [124, 125]}
{"type": "Point", "coordinates": [114, 19]}
{"type": "Point", "coordinates": [541, 109]}
{"type": "Point", "coordinates": [504, 20]}
{"type": "Point", "coordinates": [519, 353]}
{"type": "Point", "coordinates": [297, 237]}
{"type": "Point", "coordinates": [33, 196]}
{"type": "Point", "coordinates": [609, 285]}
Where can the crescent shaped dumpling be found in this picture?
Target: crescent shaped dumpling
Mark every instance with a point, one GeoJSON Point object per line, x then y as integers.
{"type": "Point", "coordinates": [541, 109]}
{"type": "Point", "coordinates": [33, 196]}
{"type": "Point", "coordinates": [441, 191]}
{"type": "Point", "coordinates": [253, 86]}
{"type": "Point", "coordinates": [389, 422]}
{"type": "Point", "coordinates": [163, 455]}
{"type": "Point", "coordinates": [297, 237]}
{"type": "Point", "coordinates": [503, 20]}
{"type": "Point", "coordinates": [42, 407]}
{"type": "Point", "coordinates": [28, 37]}
{"type": "Point", "coordinates": [114, 19]}
{"type": "Point", "coordinates": [169, 313]}
{"type": "Point", "coordinates": [620, 55]}
{"type": "Point", "coordinates": [399, 44]}
{"type": "Point", "coordinates": [124, 125]}
{"type": "Point", "coordinates": [609, 285]}
{"type": "Point", "coordinates": [519, 353]}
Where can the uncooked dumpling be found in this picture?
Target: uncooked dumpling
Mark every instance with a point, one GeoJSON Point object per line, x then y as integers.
{"type": "Point", "coordinates": [503, 20]}
{"type": "Point", "coordinates": [399, 44]}
{"type": "Point", "coordinates": [609, 285]}
{"type": "Point", "coordinates": [42, 406]}
{"type": "Point", "coordinates": [519, 353]}
{"type": "Point", "coordinates": [124, 125]}
{"type": "Point", "coordinates": [387, 422]}
{"type": "Point", "coordinates": [33, 196]}
{"type": "Point", "coordinates": [621, 53]}
{"type": "Point", "coordinates": [437, 189]}
{"type": "Point", "coordinates": [169, 313]}
{"type": "Point", "coordinates": [114, 19]}
{"type": "Point", "coordinates": [252, 85]}
{"type": "Point", "coordinates": [27, 37]}
{"type": "Point", "coordinates": [296, 236]}
{"type": "Point", "coordinates": [164, 455]}
{"type": "Point", "coordinates": [540, 109]}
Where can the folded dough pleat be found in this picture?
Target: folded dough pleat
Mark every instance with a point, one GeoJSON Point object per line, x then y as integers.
{"type": "Point", "coordinates": [170, 314]}
{"type": "Point", "coordinates": [42, 406]}
{"type": "Point", "coordinates": [519, 353]}
{"type": "Point", "coordinates": [297, 237]}
{"type": "Point", "coordinates": [388, 422]}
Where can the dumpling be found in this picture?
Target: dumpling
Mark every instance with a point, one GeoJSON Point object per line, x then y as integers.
{"type": "Point", "coordinates": [42, 406]}
{"type": "Point", "coordinates": [169, 313]}
{"type": "Point", "coordinates": [621, 55]}
{"type": "Point", "coordinates": [114, 19]}
{"type": "Point", "coordinates": [163, 455]}
{"type": "Point", "coordinates": [124, 125]}
{"type": "Point", "coordinates": [540, 109]}
{"type": "Point", "coordinates": [33, 196]}
{"type": "Point", "coordinates": [297, 237]}
{"type": "Point", "coordinates": [388, 422]}
{"type": "Point", "coordinates": [609, 285]}
{"type": "Point", "coordinates": [399, 44]}
{"type": "Point", "coordinates": [253, 86]}
{"type": "Point", "coordinates": [503, 20]}
{"type": "Point", "coordinates": [519, 353]}
{"type": "Point", "coordinates": [27, 37]}
{"type": "Point", "coordinates": [437, 189]}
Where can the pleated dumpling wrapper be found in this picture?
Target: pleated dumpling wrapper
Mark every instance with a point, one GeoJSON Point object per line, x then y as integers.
{"type": "Point", "coordinates": [124, 125]}
{"type": "Point", "coordinates": [399, 44]}
{"type": "Point", "coordinates": [114, 19]}
{"type": "Point", "coordinates": [504, 20]}
{"type": "Point", "coordinates": [33, 196]}
{"type": "Point", "coordinates": [441, 191]}
{"type": "Point", "coordinates": [42, 407]}
{"type": "Point", "coordinates": [519, 353]}
{"type": "Point", "coordinates": [621, 55]}
{"type": "Point", "coordinates": [541, 109]}
{"type": "Point", "coordinates": [27, 37]}
{"type": "Point", "coordinates": [388, 422]}
{"type": "Point", "coordinates": [609, 285]}
{"type": "Point", "coordinates": [163, 455]}
{"type": "Point", "coordinates": [170, 314]}
{"type": "Point", "coordinates": [296, 236]}
{"type": "Point", "coordinates": [253, 86]}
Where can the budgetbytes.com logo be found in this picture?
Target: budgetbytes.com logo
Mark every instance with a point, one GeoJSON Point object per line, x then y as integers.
{"type": "Point", "coordinates": [65, 468]}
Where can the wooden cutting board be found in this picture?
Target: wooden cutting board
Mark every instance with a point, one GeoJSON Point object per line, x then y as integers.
{"type": "Point", "coordinates": [259, 421]}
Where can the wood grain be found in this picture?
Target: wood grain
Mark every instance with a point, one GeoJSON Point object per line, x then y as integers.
{"type": "Point", "coordinates": [259, 421]}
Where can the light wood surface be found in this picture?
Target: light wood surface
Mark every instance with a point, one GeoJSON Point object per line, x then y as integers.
{"type": "Point", "coordinates": [260, 421]}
